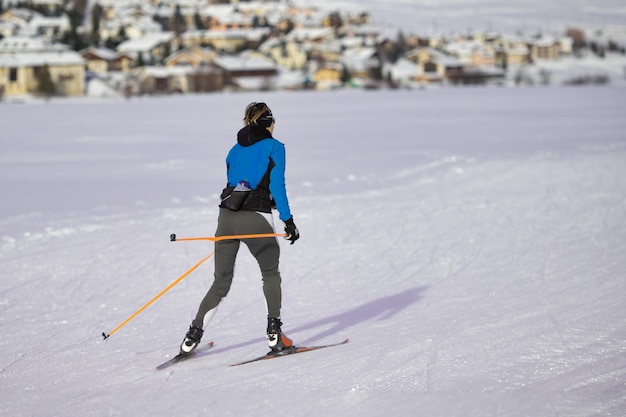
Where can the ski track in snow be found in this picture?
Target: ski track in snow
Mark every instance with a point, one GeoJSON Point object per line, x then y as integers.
{"type": "Point", "coordinates": [469, 242]}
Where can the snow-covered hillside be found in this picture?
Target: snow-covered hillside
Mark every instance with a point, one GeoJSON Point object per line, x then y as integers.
{"type": "Point", "coordinates": [470, 243]}
{"type": "Point", "coordinates": [512, 16]}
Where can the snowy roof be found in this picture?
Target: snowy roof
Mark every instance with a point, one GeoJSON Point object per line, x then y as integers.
{"type": "Point", "coordinates": [62, 21]}
{"type": "Point", "coordinates": [444, 59]}
{"type": "Point", "coordinates": [363, 30]}
{"type": "Point", "coordinates": [543, 41]}
{"type": "Point", "coordinates": [219, 10]}
{"type": "Point", "coordinates": [146, 42]}
{"type": "Point", "coordinates": [104, 53]}
{"type": "Point", "coordinates": [162, 72]}
{"type": "Point", "coordinates": [289, 79]}
{"type": "Point", "coordinates": [309, 33]}
{"type": "Point", "coordinates": [351, 41]}
{"type": "Point", "coordinates": [119, 3]}
{"type": "Point", "coordinates": [255, 34]}
{"type": "Point", "coordinates": [402, 69]}
{"type": "Point", "coordinates": [145, 23]}
{"type": "Point", "coordinates": [226, 14]}
{"type": "Point", "coordinates": [359, 58]}
{"type": "Point", "coordinates": [309, 20]}
{"type": "Point", "coordinates": [20, 14]}
{"type": "Point", "coordinates": [47, 2]}
{"type": "Point", "coordinates": [29, 44]}
{"type": "Point", "coordinates": [25, 59]}
{"type": "Point", "coordinates": [266, 8]}
{"type": "Point", "coordinates": [234, 63]}
{"type": "Point", "coordinates": [465, 49]}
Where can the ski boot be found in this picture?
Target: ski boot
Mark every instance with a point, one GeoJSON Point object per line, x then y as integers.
{"type": "Point", "coordinates": [276, 340]}
{"type": "Point", "coordinates": [191, 341]}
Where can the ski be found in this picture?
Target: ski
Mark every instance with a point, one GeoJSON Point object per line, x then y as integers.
{"type": "Point", "coordinates": [182, 357]}
{"type": "Point", "coordinates": [287, 352]}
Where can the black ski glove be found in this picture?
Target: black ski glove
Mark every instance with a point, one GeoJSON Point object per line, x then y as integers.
{"type": "Point", "coordinates": [291, 230]}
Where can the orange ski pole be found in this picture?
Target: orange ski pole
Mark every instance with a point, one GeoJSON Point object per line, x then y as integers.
{"type": "Point", "coordinates": [173, 237]}
{"type": "Point", "coordinates": [169, 287]}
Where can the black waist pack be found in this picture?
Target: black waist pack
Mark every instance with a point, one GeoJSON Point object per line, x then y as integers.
{"type": "Point", "coordinates": [233, 198]}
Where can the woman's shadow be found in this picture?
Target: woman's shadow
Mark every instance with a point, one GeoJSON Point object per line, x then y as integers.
{"type": "Point", "coordinates": [382, 308]}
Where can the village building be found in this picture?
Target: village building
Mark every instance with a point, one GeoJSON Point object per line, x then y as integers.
{"type": "Point", "coordinates": [286, 54]}
{"type": "Point", "coordinates": [36, 66]}
{"type": "Point", "coordinates": [202, 75]}
{"type": "Point", "coordinates": [544, 48]}
{"type": "Point", "coordinates": [247, 72]}
{"type": "Point", "coordinates": [163, 80]}
{"type": "Point", "coordinates": [402, 73]}
{"type": "Point", "coordinates": [150, 48]}
{"type": "Point", "coordinates": [229, 41]}
{"type": "Point", "coordinates": [7, 29]}
{"type": "Point", "coordinates": [362, 64]}
{"type": "Point", "coordinates": [323, 52]}
{"type": "Point", "coordinates": [473, 53]}
{"type": "Point", "coordinates": [328, 76]}
{"type": "Point", "coordinates": [224, 17]}
{"type": "Point", "coordinates": [18, 17]}
{"type": "Point", "coordinates": [194, 56]}
{"type": "Point", "coordinates": [98, 60]}
{"type": "Point", "coordinates": [510, 51]}
{"type": "Point", "coordinates": [102, 60]}
{"type": "Point", "coordinates": [49, 27]}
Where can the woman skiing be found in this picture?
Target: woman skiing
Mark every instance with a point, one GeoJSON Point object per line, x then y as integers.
{"type": "Point", "coordinates": [255, 169]}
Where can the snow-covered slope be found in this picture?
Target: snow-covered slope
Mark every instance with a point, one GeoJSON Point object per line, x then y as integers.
{"type": "Point", "coordinates": [469, 242]}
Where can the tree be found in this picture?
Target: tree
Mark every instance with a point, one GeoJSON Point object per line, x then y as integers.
{"type": "Point", "coordinates": [335, 21]}
{"type": "Point", "coordinates": [45, 84]}
{"type": "Point", "coordinates": [96, 17]}
{"type": "Point", "coordinates": [346, 77]}
{"type": "Point", "coordinates": [401, 46]}
{"type": "Point", "coordinates": [167, 51]}
{"type": "Point", "coordinates": [72, 37]}
{"type": "Point", "coordinates": [180, 25]}
{"type": "Point", "coordinates": [114, 42]}
{"type": "Point", "coordinates": [199, 22]}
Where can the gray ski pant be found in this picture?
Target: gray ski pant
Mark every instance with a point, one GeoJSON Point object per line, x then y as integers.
{"type": "Point", "coordinates": [265, 250]}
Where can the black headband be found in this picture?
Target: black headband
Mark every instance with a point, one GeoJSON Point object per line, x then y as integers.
{"type": "Point", "coordinates": [266, 119]}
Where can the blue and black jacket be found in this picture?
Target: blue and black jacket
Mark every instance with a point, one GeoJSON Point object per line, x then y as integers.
{"type": "Point", "coordinates": [259, 160]}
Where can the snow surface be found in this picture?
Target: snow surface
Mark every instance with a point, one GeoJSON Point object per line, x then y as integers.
{"type": "Point", "coordinates": [470, 242]}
